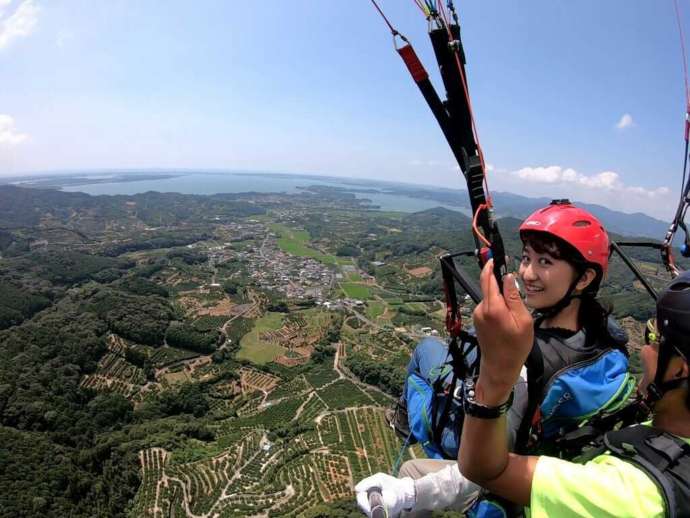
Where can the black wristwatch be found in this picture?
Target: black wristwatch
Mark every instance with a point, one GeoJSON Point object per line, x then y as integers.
{"type": "Point", "coordinates": [475, 409]}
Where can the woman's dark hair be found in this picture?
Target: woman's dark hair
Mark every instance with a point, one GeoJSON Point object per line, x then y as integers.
{"type": "Point", "coordinates": [593, 315]}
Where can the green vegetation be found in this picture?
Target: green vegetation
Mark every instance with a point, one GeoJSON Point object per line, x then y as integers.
{"type": "Point", "coordinates": [355, 291]}
{"type": "Point", "coordinates": [379, 373]}
{"type": "Point", "coordinates": [140, 319]}
{"type": "Point", "coordinates": [257, 350]}
{"type": "Point", "coordinates": [16, 304]}
{"type": "Point", "coordinates": [66, 267]}
{"type": "Point", "coordinates": [321, 374]}
{"type": "Point", "coordinates": [291, 388]}
{"type": "Point", "coordinates": [188, 337]}
{"type": "Point", "coordinates": [375, 309]}
{"type": "Point", "coordinates": [296, 242]}
{"type": "Point", "coordinates": [344, 394]}
{"type": "Point", "coordinates": [343, 261]}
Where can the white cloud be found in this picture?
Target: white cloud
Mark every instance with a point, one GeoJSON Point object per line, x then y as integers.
{"type": "Point", "coordinates": [607, 188]}
{"type": "Point", "coordinates": [626, 121]}
{"type": "Point", "coordinates": [20, 23]}
{"type": "Point", "coordinates": [9, 136]}
{"type": "Point", "coordinates": [606, 180]}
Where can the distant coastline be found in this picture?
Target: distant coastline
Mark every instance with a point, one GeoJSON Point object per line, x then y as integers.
{"type": "Point", "coordinates": [378, 194]}
{"type": "Point", "coordinates": [58, 182]}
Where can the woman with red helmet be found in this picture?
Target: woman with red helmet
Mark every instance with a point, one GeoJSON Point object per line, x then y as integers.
{"type": "Point", "coordinates": [564, 259]}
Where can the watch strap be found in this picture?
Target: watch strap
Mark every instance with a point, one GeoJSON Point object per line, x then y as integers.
{"type": "Point", "coordinates": [479, 410]}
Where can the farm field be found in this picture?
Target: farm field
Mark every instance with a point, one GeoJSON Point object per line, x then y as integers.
{"type": "Point", "coordinates": [259, 351]}
{"type": "Point", "coordinates": [320, 375]}
{"type": "Point", "coordinates": [355, 291]}
{"type": "Point", "coordinates": [375, 309]}
{"type": "Point", "coordinates": [354, 277]}
{"type": "Point", "coordinates": [296, 242]}
{"type": "Point", "coordinates": [343, 394]}
{"type": "Point", "coordinates": [252, 475]}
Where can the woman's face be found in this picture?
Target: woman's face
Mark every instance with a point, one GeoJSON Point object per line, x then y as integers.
{"type": "Point", "coordinates": [545, 279]}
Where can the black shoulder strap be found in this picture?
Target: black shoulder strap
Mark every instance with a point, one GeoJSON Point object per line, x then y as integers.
{"type": "Point", "coordinates": [458, 362]}
{"type": "Point", "coordinates": [587, 441]}
{"type": "Point", "coordinates": [664, 457]}
{"type": "Point", "coordinates": [535, 386]}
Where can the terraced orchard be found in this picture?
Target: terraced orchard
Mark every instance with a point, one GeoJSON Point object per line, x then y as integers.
{"type": "Point", "coordinates": [114, 373]}
{"type": "Point", "coordinates": [258, 473]}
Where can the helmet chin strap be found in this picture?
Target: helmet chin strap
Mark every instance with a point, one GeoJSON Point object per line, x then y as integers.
{"type": "Point", "coordinates": [659, 387]}
{"type": "Point", "coordinates": [655, 390]}
{"type": "Point", "coordinates": [559, 306]}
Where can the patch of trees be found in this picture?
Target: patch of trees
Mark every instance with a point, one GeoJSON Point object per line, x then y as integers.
{"type": "Point", "coordinates": [150, 268]}
{"type": "Point", "coordinates": [140, 286]}
{"type": "Point", "coordinates": [408, 310]}
{"type": "Point", "coordinates": [333, 333]}
{"type": "Point", "coordinates": [287, 432]}
{"type": "Point", "coordinates": [188, 256]}
{"type": "Point", "coordinates": [209, 322]}
{"type": "Point", "coordinates": [18, 304]}
{"type": "Point", "coordinates": [630, 302]}
{"type": "Point", "coordinates": [348, 250]}
{"type": "Point", "coordinates": [187, 337]}
{"type": "Point", "coordinates": [237, 329]}
{"type": "Point", "coordinates": [68, 267]}
{"type": "Point", "coordinates": [231, 286]}
{"type": "Point", "coordinates": [409, 319]}
{"type": "Point", "coordinates": [189, 399]}
{"type": "Point", "coordinates": [22, 207]}
{"type": "Point", "coordinates": [57, 458]}
{"type": "Point", "coordinates": [323, 353]}
{"type": "Point", "coordinates": [342, 509]}
{"type": "Point", "coordinates": [136, 357]}
{"type": "Point", "coordinates": [278, 306]}
{"type": "Point", "coordinates": [107, 276]}
{"type": "Point", "coordinates": [12, 245]}
{"type": "Point", "coordinates": [382, 374]}
{"type": "Point", "coordinates": [139, 319]}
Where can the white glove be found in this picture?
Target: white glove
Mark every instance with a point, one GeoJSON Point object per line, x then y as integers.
{"type": "Point", "coordinates": [398, 494]}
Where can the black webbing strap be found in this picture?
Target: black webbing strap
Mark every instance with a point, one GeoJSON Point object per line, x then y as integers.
{"type": "Point", "coordinates": [664, 457]}
{"type": "Point", "coordinates": [575, 444]}
{"type": "Point", "coordinates": [535, 387]}
{"type": "Point", "coordinates": [460, 371]}
{"type": "Point", "coordinates": [437, 107]}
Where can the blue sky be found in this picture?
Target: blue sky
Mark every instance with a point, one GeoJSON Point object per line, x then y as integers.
{"type": "Point", "coordinates": [316, 87]}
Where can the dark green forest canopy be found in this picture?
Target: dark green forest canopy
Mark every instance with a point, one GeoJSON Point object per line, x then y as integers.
{"type": "Point", "coordinates": [22, 207]}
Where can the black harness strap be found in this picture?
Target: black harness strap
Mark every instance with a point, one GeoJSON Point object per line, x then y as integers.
{"type": "Point", "coordinates": [535, 387]}
{"type": "Point", "coordinates": [461, 370]}
{"type": "Point", "coordinates": [575, 444]}
{"type": "Point", "coordinates": [664, 457]}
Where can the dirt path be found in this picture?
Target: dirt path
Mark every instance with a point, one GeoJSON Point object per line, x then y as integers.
{"type": "Point", "coordinates": [344, 373]}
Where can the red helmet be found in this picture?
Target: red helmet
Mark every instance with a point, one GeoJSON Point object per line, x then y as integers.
{"type": "Point", "coordinates": [575, 226]}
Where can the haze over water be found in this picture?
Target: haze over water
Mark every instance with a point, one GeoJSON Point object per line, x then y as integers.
{"type": "Point", "coordinates": [215, 183]}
